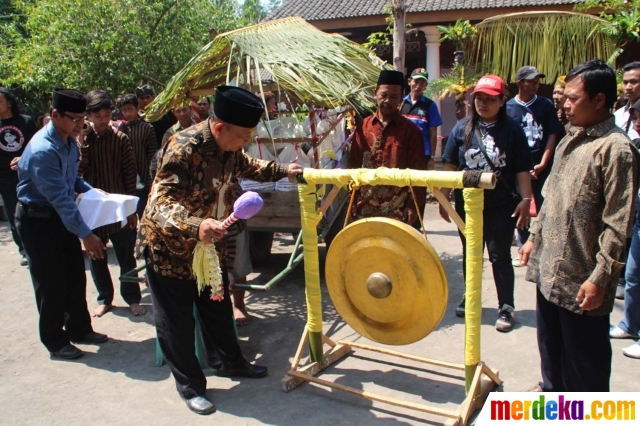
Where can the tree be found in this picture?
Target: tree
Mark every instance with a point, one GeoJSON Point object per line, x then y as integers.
{"type": "Point", "coordinates": [400, 22]}
{"type": "Point", "coordinates": [110, 45]}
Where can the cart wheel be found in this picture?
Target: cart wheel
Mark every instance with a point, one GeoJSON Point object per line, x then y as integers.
{"type": "Point", "coordinates": [336, 227]}
{"type": "Point", "coordinates": [260, 246]}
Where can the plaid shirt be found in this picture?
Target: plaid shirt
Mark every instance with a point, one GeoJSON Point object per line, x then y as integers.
{"type": "Point", "coordinates": [581, 230]}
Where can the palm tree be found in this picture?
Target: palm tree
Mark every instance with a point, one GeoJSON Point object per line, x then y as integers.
{"type": "Point", "coordinates": [456, 83]}
{"type": "Point", "coordinates": [554, 42]}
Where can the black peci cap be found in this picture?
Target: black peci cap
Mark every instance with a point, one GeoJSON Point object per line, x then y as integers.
{"type": "Point", "coordinates": [237, 106]}
{"type": "Point", "coordinates": [69, 100]}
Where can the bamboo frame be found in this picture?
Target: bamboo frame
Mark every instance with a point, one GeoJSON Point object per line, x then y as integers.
{"type": "Point", "coordinates": [484, 379]}
{"type": "Point", "coordinates": [479, 379]}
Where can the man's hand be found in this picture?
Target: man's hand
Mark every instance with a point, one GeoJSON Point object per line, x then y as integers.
{"type": "Point", "coordinates": [431, 165]}
{"type": "Point", "coordinates": [590, 296]}
{"type": "Point", "coordinates": [210, 231]}
{"type": "Point", "coordinates": [537, 169]}
{"type": "Point", "coordinates": [524, 252]}
{"type": "Point", "coordinates": [94, 247]}
{"type": "Point", "coordinates": [409, 215]}
{"type": "Point", "coordinates": [133, 221]}
{"type": "Point", "coordinates": [14, 163]}
{"type": "Point", "coordinates": [522, 213]}
{"type": "Point", "coordinates": [444, 214]}
{"type": "Point", "coordinates": [294, 171]}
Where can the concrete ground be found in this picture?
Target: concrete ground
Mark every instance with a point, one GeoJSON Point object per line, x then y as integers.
{"type": "Point", "coordinates": [118, 382]}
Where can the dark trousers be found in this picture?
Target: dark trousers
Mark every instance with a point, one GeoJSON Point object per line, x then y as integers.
{"type": "Point", "coordinates": [498, 227]}
{"type": "Point", "coordinates": [57, 271]}
{"type": "Point", "coordinates": [575, 350]}
{"type": "Point", "coordinates": [10, 200]}
{"type": "Point", "coordinates": [173, 302]}
{"type": "Point", "coordinates": [123, 247]}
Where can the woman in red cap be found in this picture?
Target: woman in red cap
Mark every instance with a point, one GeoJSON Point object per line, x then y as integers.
{"type": "Point", "coordinates": [492, 142]}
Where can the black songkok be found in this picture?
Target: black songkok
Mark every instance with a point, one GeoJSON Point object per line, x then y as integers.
{"type": "Point", "coordinates": [69, 100]}
{"type": "Point", "coordinates": [391, 77]}
{"type": "Point", "coordinates": [237, 106]}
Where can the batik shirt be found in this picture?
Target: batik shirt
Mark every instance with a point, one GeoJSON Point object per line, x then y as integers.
{"type": "Point", "coordinates": [107, 163]}
{"type": "Point", "coordinates": [398, 144]}
{"type": "Point", "coordinates": [581, 230]}
{"type": "Point", "coordinates": [195, 181]}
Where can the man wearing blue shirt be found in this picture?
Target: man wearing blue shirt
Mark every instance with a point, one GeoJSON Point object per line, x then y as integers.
{"type": "Point", "coordinates": [49, 223]}
{"type": "Point", "coordinates": [423, 112]}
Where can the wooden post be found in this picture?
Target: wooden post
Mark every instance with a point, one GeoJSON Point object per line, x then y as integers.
{"type": "Point", "coordinates": [399, 19]}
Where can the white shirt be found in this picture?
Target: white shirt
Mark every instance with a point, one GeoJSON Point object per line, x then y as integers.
{"type": "Point", "coordinates": [622, 117]}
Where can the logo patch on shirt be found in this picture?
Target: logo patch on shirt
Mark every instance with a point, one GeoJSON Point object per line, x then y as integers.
{"type": "Point", "coordinates": [11, 138]}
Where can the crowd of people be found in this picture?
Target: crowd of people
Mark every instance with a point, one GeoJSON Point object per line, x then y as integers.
{"type": "Point", "coordinates": [572, 157]}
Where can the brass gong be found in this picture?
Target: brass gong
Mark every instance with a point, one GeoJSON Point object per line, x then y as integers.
{"type": "Point", "coordinates": [386, 281]}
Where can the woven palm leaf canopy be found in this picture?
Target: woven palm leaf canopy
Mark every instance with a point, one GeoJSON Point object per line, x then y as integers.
{"type": "Point", "coordinates": [553, 42]}
{"type": "Point", "coordinates": [320, 69]}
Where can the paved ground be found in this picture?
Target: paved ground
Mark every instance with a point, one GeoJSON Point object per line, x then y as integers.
{"type": "Point", "coordinates": [118, 382]}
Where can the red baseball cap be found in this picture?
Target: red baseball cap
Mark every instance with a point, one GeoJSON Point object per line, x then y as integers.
{"type": "Point", "coordinates": [492, 85]}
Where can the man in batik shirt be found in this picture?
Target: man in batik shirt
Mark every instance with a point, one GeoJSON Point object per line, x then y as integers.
{"type": "Point", "coordinates": [387, 139]}
{"type": "Point", "coordinates": [193, 192]}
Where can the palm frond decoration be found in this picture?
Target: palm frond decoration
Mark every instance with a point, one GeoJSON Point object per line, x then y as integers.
{"type": "Point", "coordinates": [455, 83]}
{"type": "Point", "coordinates": [320, 69]}
{"type": "Point", "coordinates": [553, 42]}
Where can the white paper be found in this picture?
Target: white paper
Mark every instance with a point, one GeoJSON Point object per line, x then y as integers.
{"type": "Point", "coordinates": [98, 209]}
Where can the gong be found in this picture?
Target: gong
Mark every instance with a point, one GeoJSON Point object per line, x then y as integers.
{"type": "Point", "coordinates": [386, 281]}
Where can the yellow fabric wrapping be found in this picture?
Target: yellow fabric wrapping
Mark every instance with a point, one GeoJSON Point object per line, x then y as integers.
{"type": "Point", "coordinates": [473, 205]}
{"type": "Point", "coordinates": [384, 176]}
{"type": "Point", "coordinates": [310, 220]}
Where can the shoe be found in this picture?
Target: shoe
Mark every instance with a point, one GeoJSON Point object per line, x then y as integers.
{"type": "Point", "coordinates": [460, 308]}
{"type": "Point", "coordinates": [24, 261]}
{"type": "Point", "coordinates": [92, 338]}
{"type": "Point", "coordinates": [632, 351]}
{"type": "Point", "coordinates": [616, 332]}
{"type": "Point", "coordinates": [215, 364]}
{"type": "Point", "coordinates": [200, 405]}
{"type": "Point", "coordinates": [247, 370]}
{"type": "Point", "coordinates": [505, 319]}
{"type": "Point", "coordinates": [516, 263]}
{"type": "Point", "coordinates": [68, 351]}
{"type": "Point", "coordinates": [620, 291]}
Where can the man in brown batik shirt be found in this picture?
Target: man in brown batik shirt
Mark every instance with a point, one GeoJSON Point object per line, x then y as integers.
{"type": "Point", "coordinates": [576, 249]}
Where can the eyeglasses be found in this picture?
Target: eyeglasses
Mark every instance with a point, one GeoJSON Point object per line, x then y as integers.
{"type": "Point", "coordinates": [74, 119]}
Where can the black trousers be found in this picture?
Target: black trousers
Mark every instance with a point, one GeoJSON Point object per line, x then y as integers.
{"type": "Point", "coordinates": [536, 189]}
{"type": "Point", "coordinates": [123, 246]}
{"type": "Point", "coordinates": [498, 227]}
{"type": "Point", "coordinates": [10, 200]}
{"type": "Point", "coordinates": [173, 302]}
{"type": "Point", "coordinates": [575, 350]}
{"type": "Point", "coordinates": [59, 281]}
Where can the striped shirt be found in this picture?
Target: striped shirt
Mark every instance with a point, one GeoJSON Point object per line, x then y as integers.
{"type": "Point", "coordinates": [107, 163]}
{"type": "Point", "coordinates": [143, 140]}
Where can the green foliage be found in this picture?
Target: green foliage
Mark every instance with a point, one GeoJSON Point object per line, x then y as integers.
{"type": "Point", "coordinates": [385, 37]}
{"type": "Point", "coordinates": [622, 19]}
{"type": "Point", "coordinates": [456, 83]}
{"type": "Point", "coordinates": [112, 45]}
{"type": "Point", "coordinates": [460, 34]}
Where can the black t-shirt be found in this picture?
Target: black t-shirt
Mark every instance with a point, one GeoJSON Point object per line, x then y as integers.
{"type": "Point", "coordinates": [162, 125]}
{"type": "Point", "coordinates": [539, 120]}
{"type": "Point", "coordinates": [15, 133]}
{"type": "Point", "coordinates": [507, 148]}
